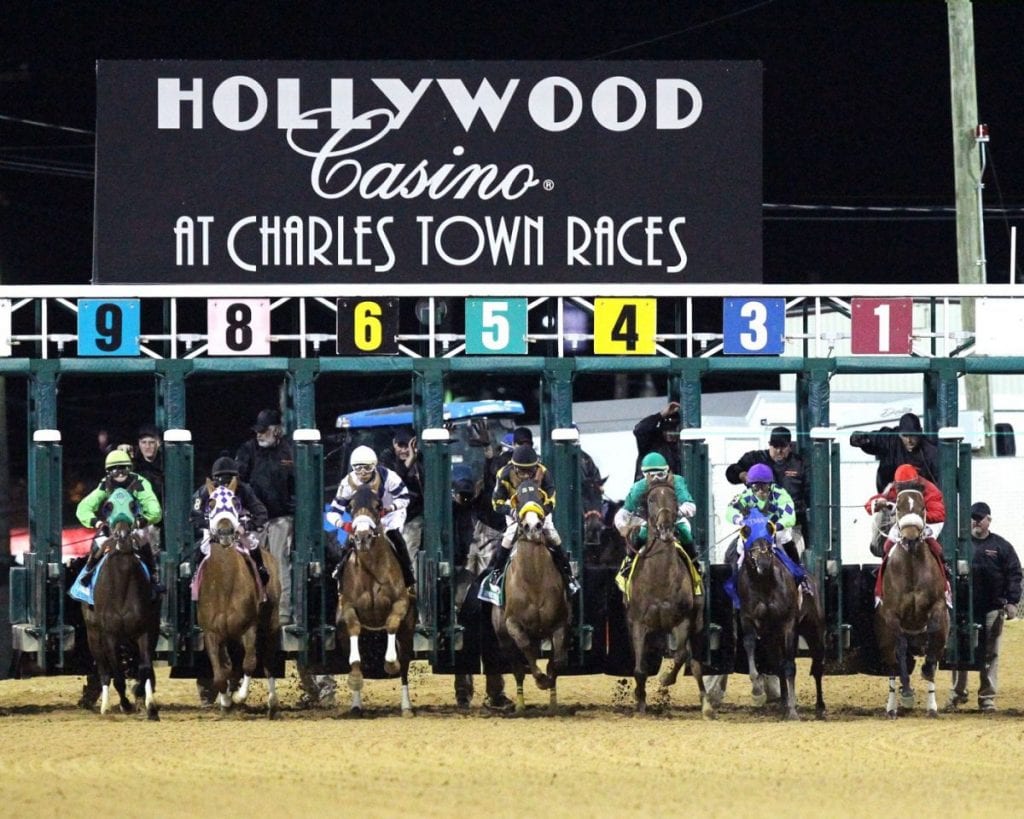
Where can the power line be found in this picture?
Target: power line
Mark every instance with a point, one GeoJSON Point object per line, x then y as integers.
{"type": "Point", "coordinates": [38, 124]}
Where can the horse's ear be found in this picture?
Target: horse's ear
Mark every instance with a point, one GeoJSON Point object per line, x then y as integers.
{"type": "Point", "coordinates": [233, 486]}
{"type": "Point", "coordinates": [209, 487]}
{"type": "Point", "coordinates": [745, 532]}
{"type": "Point", "coordinates": [770, 526]}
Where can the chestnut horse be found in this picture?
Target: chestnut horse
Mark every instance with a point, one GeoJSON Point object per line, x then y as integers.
{"type": "Point", "coordinates": [372, 595]}
{"type": "Point", "coordinates": [913, 616]}
{"type": "Point", "coordinates": [660, 601]}
{"type": "Point", "coordinates": [536, 606]}
{"type": "Point", "coordinates": [124, 616]}
{"type": "Point", "coordinates": [231, 611]}
{"type": "Point", "coordinates": [775, 613]}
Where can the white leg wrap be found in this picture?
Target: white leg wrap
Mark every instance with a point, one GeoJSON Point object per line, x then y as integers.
{"type": "Point", "coordinates": [105, 699]}
{"type": "Point", "coordinates": [242, 694]}
{"type": "Point", "coordinates": [224, 700]}
{"type": "Point", "coordinates": [271, 692]}
{"type": "Point", "coordinates": [150, 699]}
{"type": "Point", "coordinates": [357, 699]}
{"type": "Point", "coordinates": [406, 702]}
{"type": "Point", "coordinates": [890, 705]}
{"type": "Point", "coordinates": [353, 650]}
{"type": "Point", "coordinates": [391, 654]}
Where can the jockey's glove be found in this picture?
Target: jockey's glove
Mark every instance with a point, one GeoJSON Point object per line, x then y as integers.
{"type": "Point", "coordinates": [334, 519]}
{"type": "Point", "coordinates": [687, 509]}
{"type": "Point", "coordinates": [737, 520]}
{"type": "Point", "coordinates": [1011, 611]}
{"type": "Point", "coordinates": [141, 522]}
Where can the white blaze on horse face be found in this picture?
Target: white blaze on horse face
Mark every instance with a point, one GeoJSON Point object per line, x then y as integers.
{"type": "Point", "coordinates": [531, 524]}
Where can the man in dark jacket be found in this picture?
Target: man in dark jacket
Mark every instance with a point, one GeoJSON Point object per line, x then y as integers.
{"type": "Point", "coordinates": [904, 444]}
{"type": "Point", "coordinates": [405, 459]}
{"type": "Point", "coordinates": [266, 463]}
{"type": "Point", "coordinates": [659, 432]}
{"type": "Point", "coordinates": [995, 582]}
{"type": "Point", "coordinates": [791, 472]}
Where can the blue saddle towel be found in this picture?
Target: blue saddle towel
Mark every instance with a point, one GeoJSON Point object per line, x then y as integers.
{"type": "Point", "coordinates": [795, 569]}
{"type": "Point", "coordinates": [84, 594]}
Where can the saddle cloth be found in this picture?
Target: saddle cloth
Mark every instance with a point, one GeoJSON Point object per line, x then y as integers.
{"type": "Point", "coordinates": [625, 581]}
{"type": "Point", "coordinates": [84, 594]}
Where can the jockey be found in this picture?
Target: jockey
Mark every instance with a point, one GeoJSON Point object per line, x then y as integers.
{"type": "Point", "coordinates": [773, 501]}
{"type": "Point", "coordinates": [631, 519]}
{"type": "Point", "coordinates": [525, 465]}
{"type": "Point", "coordinates": [907, 477]}
{"type": "Point", "coordinates": [253, 517]}
{"type": "Point", "coordinates": [118, 467]}
{"type": "Point", "coordinates": [394, 498]}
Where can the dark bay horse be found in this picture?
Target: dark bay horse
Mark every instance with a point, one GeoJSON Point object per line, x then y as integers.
{"type": "Point", "coordinates": [912, 617]}
{"type": "Point", "coordinates": [232, 611]}
{"type": "Point", "coordinates": [124, 615]}
{"type": "Point", "coordinates": [536, 606]}
{"type": "Point", "coordinates": [775, 613]}
{"type": "Point", "coordinates": [373, 596]}
{"type": "Point", "coordinates": [660, 601]}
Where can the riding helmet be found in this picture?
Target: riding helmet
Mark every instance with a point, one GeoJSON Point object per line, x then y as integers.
{"type": "Point", "coordinates": [653, 461]}
{"type": "Point", "coordinates": [118, 458]}
{"type": "Point", "coordinates": [224, 466]}
{"type": "Point", "coordinates": [906, 473]}
{"type": "Point", "coordinates": [760, 473]}
{"type": "Point", "coordinates": [363, 456]}
{"type": "Point", "coordinates": [524, 455]}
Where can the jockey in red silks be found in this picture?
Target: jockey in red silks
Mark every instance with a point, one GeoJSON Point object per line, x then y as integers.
{"type": "Point", "coordinates": [907, 477]}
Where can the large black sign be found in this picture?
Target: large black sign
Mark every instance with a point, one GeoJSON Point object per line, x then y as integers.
{"type": "Point", "coordinates": [414, 172]}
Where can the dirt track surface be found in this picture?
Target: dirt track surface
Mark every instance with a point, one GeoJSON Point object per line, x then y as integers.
{"type": "Point", "coordinates": [593, 759]}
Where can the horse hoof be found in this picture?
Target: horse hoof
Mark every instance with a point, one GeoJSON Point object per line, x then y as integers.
{"type": "Point", "coordinates": [355, 681]}
{"type": "Point", "coordinates": [891, 714]}
{"type": "Point", "coordinates": [153, 715]}
{"type": "Point", "coordinates": [392, 668]}
{"type": "Point", "coordinates": [408, 713]}
{"type": "Point", "coordinates": [641, 708]}
{"type": "Point", "coordinates": [544, 682]}
{"type": "Point", "coordinates": [667, 680]}
{"type": "Point", "coordinates": [933, 713]}
{"type": "Point", "coordinates": [356, 712]}
{"type": "Point", "coordinates": [759, 700]}
{"type": "Point", "coordinates": [707, 712]}
{"type": "Point", "coordinates": [821, 714]}
{"type": "Point", "coordinates": [791, 716]}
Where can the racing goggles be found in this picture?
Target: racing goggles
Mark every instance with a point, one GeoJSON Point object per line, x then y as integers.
{"type": "Point", "coordinates": [761, 486]}
{"type": "Point", "coordinates": [118, 471]}
{"type": "Point", "coordinates": [362, 469]}
{"type": "Point", "coordinates": [658, 474]}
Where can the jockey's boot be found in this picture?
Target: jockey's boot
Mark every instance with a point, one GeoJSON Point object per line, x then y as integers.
{"type": "Point", "coordinates": [792, 553]}
{"type": "Point", "coordinates": [562, 562]}
{"type": "Point", "coordinates": [153, 565]}
{"type": "Point", "coordinates": [256, 553]}
{"type": "Point", "coordinates": [90, 564]}
{"type": "Point", "coordinates": [343, 556]}
{"type": "Point", "coordinates": [402, 553]}
{"type": "Point", "coordinates": [498, 563]}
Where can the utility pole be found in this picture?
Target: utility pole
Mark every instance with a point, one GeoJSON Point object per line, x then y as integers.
{"type": "Point", "coordinates": [968, 141]}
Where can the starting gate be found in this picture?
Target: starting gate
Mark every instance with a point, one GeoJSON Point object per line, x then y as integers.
{"type": "Point", "coordinates": [43, 635]}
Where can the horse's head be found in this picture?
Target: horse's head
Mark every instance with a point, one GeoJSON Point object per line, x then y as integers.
{"type": "Point", "coordinates": [662, 507]}
{"type": "Point", "coordinates": [223, 512]}
{"type": "Point", "coordinates": [758, 535]}
{"type": "Point", "coordinates": [592, 500]}
{"type": "Point", "coordinates": [910, 515]}
{"type": "Point", "coordinates": [120, 511]}
{"type": "Point", "coordinates": [530, 510]}
{"type": "Point", "coordinates": [365, 509]}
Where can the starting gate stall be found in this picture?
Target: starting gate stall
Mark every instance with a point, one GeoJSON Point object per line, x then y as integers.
{"type": "Point", "coordinates": [290, 337]}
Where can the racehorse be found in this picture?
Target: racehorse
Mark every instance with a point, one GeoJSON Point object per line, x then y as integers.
{"type": "Point", "coordinates": [775, 613]}
{"type": "Point", "coordinates": [124, 615]}
{"type": "Point", "coordinates": [234, 611]}
{"type": "Point", "coordinates": [661, 601]}
{"type": "Point", "coordinates": [881, 523]}
{"type": "Point", "coordinates": [912, 616]}
{"type": "Point", "coordinates": [536, 606]}
{"type": "Point", "coordinates": [372, 595]}
{"type": "Point", "coordinates": [602, 543]}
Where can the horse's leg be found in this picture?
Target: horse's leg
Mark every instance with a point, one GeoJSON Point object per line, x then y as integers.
{"type": "Point", "coordinates": [147, 677]}
{"type": "Point", "coordinates": [215, 651]}
{"type": "Point", "coordinates": [559, 662]}
{"type": "Point", "coordinates": [757, 694]}
{"type": "Point", "coordinates": [399, 610]}
{"type": "Point", "coordinates": [355, 674]}
{"type": "Point", "coordinates": [906, 691]}
{"type": "Point", "coordinates": [938, 631]}
{"type": "Point", "coordinates": [787, 674]}
{"type": "Point", "coordinates": [815, 637]}
{"type": "Point", "coordinates": [529, 651]}
{"type": "Point", "coordinates": [248, 665]}
{"type": "Point", "coordinates": [681, 633]}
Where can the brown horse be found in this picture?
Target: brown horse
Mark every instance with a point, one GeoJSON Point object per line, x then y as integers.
{"type": "Point", "coordinates": [660, 601]}
{"type": "Point", "coordinates": [775, 613]}
{"type": "Point", "coordinates": [536, 606]}
{"type": "Point", "coordinates": [124, 617]}
{"type": "Point", "coordinates": [912, 617]}
{"type": "Point", "coordinates": [231, 611]}
{"type": "Point", "coordinates": [372, 595]}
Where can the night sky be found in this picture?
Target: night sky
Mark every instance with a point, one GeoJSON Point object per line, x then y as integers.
{"type": "Point", "coordinates": [856, 108]}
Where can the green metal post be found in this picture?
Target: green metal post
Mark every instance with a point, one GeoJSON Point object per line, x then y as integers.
{"type": "Point", "coordinates": [309, 587]}
{"type": "Point", "coordinates": [178, 544]}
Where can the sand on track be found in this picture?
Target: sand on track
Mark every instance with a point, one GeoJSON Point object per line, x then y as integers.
{"type": "Point", "coordinates": [595, 758]}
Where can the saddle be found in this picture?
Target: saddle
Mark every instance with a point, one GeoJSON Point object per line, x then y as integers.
{"type": "Point", "coordinates": [85, 594]}
{"type": "Point", "coordinates": [197, 578]}
{"type": "Point", "coordinates": [624, 577]}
